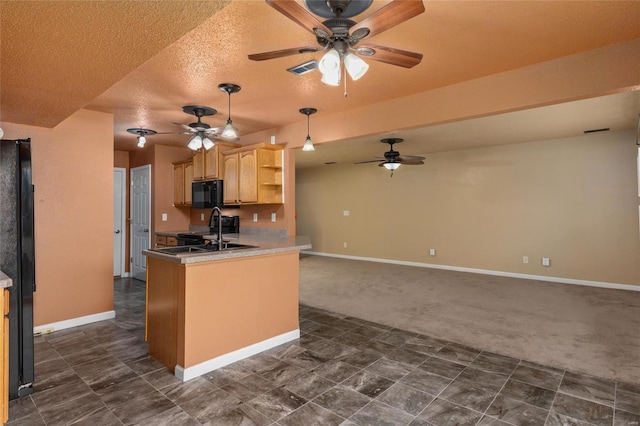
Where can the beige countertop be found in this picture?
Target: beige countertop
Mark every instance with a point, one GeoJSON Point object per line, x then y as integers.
{"type": "Point", "coordinates": [264, 245]}
{"type": "Point", "coordinates": [5, 281]}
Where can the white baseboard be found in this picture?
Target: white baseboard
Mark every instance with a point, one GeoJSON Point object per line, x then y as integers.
{"type": "Point", "coordinates": [587, 283]}
{"type": "Point", "coordinates": [73, 322]}
{"type": "Point", "coordinates": [189, 373]}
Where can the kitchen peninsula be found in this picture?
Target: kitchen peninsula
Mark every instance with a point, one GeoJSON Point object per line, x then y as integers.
{"type": "Point", "coordinates": [208, 309]}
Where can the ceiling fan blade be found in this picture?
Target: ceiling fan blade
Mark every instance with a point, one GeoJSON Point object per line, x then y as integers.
{"type": "Point", "coordinates": [281, 53]}
{"type": "Point", "coordinates": [393, 56]}
{"type": "Point", "coordinates": [410, 158]}
{"type": "Point", "coordinates": [411, 162]}
{"type": "Point", "coordinates": [369, 161]}
{"type": "Point", "coordinates": [298, 14]}
{"type": "Point", "coordinates": [213, 131]}
{"type": "Point", "coordinates": [184, 126]}
{"type": "Point", "coordinates": [389, 16]}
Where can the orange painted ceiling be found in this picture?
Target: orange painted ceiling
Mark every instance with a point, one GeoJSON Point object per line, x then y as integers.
{"type": "Point", "coordinates": [144, 60]}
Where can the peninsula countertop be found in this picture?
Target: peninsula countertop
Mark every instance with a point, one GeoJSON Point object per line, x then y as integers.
{"type": "Point", "coordinates": [264, 245]}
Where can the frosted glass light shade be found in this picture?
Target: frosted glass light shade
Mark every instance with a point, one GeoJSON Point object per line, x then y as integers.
{"type": "Point", "coordinates": [390, 165]}
{"type": "Point", "coordinates": [207, 143]}
{"type": "Point", "coordinates": [355, 66]}
{"type": "Point", "coordinates": [308, 145]}
{"type": "Point", "coordinates": [330, 68]}
{"type": "Point", "coordinates": [229, 131]}
{"type": "Point", "coordinates": [195, 143]}
{"type": "Point", "coordinates": [141, 141]}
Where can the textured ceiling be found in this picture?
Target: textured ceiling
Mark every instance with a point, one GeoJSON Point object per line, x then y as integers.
{"type": "Point", "coordinates": [144, 60]}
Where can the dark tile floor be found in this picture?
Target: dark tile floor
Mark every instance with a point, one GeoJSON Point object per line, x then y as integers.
{"type": "Point", "coordinates": [342, 371]}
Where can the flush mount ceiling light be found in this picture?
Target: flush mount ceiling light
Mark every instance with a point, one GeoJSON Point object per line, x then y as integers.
{"type": "Point", "coordinates": [229, 131]}
{"type": "Point", "coordinates": [142, 133]}
{"type": "Point", "coordinates": [308, 145]}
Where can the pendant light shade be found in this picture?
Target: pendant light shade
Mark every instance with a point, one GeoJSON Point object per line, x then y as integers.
{"type": "Point", "coordinates": [195, 143]}
{"type": "Point", "coordinates": [355, 66]}
{"type": "Point", "coordinates": [308, 144]}
{"type": "Point", "coordinates": [330, 66]}
{"type": "Point", "coordinates": [142, 134]}
{"type": "Point", "coordinates": [391, 165]}
{"type": "Point", "coordinates": [207, 143]}
{"type": "Point", "coordinates": [229, 131]}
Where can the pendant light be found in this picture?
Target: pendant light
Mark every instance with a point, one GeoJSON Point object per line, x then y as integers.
{"type": "Point", "coordinates": [229, 132]}
{"type": "Point", "coordinates": [142, 133]}
{"type": "Point", "coordinates": [308, 145]}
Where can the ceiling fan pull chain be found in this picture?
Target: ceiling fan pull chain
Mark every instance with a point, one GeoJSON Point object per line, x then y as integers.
{"type": "Point", "coordinates": [345, 79]}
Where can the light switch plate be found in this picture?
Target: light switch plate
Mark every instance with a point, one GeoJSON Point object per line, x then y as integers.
{"type": "Point", "coordinates": [164, 217]}
{"type": "Point", "coordinates": [546, 261]}
{"type": "Point", "coordinates": [273, 217]}
{"type": "Point", "coordinates": [201, 216]}
{"type": "Point", "coordinates": [255, 217]}
{"type": "Point", "coordinates": [345, 212]}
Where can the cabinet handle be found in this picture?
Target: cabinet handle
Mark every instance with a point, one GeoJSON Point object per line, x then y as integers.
{"type": "Point", "coordinates": [145, 230]}
{"type": "Point", "coordinates": [118, 231]}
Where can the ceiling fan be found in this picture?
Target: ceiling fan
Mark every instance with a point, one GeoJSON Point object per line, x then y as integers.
{"type": "Point", "coordinates": [343, 35]}
{"type": "Point", "coordinates": [393, 159]}
{"type": "Point", "coordinates": [202, 133]}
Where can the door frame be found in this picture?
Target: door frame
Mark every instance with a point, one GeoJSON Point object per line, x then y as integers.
{"type": "Point", "coordinates": [123, 218]}
{"type": "Point", "coordinates": [131, 230]}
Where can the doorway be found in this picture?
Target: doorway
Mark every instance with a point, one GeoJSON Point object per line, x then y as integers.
{"type": "Point", "coordinates": [140, 219]}
{"type": "Point", "coordinates": [119, 220]}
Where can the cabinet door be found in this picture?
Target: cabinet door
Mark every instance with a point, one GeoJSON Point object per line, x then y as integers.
{"type": "Point", "coordinates": [188, 180]}
{"type": "Point", "coordinates": [248, 177]}
{"type": "Point", "coordinates": [231, 179]}
{"type": "Point", "coordinates": [211, 163]}
{"type": "Point", "coordinates": [178, 184]}
{"type": "Point", "coordinates": [199, 165]}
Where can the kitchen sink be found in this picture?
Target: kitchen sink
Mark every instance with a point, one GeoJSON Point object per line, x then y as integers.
{"type": "Point", "coordinates": [202, 248]}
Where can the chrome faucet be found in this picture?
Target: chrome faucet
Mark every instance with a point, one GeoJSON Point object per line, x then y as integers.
{"type": "Point", "coordinates": [219, 237]}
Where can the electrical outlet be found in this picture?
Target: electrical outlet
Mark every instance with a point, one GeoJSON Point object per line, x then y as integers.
{"type": "Point", "coordinates": [201, 216]}
{"type": "Point", "coordinates": [344, 244]}
{"type": "Point", "coordinates": [546, 261]}
{"type": "Point", "coordinates": [525, 259]}
{"type": "Point", "coordinates": [164, 217]}
{"type": "Point", "coordinates": [255, 217]}
{"type": "Point", "coordinates": [273, 217]}
{"type": "Point", "coordinates": [432, 252]}
{"type": "Point", "coordinates": [345, 213]}
{"type": "Point", "coordinates": [273, 140]}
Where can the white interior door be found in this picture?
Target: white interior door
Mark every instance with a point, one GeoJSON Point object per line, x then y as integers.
{"type": "Point", "coordinates": [140, 219]}
{"type": "Point", "coordinates": [119, 220]}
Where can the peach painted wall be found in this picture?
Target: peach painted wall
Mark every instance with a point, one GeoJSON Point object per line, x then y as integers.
{"type": "Point", "coordinates": [73, 179]}
{"type": "Point", "coordinates": [574, 200]}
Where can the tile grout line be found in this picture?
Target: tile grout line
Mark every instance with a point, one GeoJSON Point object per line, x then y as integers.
{"type": "Point", "coordinates": [555, 395]}
{"type": "Point", "coordinates": [484, 414]}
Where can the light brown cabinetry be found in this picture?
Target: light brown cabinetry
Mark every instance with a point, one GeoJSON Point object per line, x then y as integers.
{"type": "Point", "coordinates": [4, 353]}
{"type": "Point", "coordinates": [209, 164]}
{"type": "Point", "coordinates": [253, 175]}
{"type": "Point", "coordinates": [182, 180]}
{"type": "Point", "coordinates": [165, 241]}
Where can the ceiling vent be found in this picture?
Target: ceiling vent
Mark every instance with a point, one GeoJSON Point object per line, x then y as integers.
{"type": "Point", "coordinates": [304, 68]}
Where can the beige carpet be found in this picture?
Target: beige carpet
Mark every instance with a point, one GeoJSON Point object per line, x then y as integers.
{"type": "Point", "coordinates": [583, 329]}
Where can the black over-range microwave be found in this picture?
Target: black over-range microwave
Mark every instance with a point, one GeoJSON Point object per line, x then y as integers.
{"type": "Point", "coordinates": [207, 194]}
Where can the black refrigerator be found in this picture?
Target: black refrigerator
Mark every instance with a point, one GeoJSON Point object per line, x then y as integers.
{"type": "Point", "coordinates": [17, 259]}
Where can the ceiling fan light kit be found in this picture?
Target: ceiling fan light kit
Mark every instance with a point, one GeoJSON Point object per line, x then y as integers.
{"type": "Point", "coordinates": [308, 144]}
{"type": "Point", "coordinates": [142, 133]}
{"type": "Point", "coordinates": [333, 35]}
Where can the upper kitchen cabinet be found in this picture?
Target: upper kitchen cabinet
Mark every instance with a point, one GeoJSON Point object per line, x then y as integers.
{"type": "Point", "coordinates": [253, 175]}
{"type": "Point", "coordinates": [209, 164]}
{"type": "Point", "coordinates": [182, 180]}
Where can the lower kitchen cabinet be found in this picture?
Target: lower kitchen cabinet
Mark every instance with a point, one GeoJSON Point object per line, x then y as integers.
{"type": "Point", "coordinates": [165, 241]}
{"type": "Point", "coordinates": [4, 353]}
